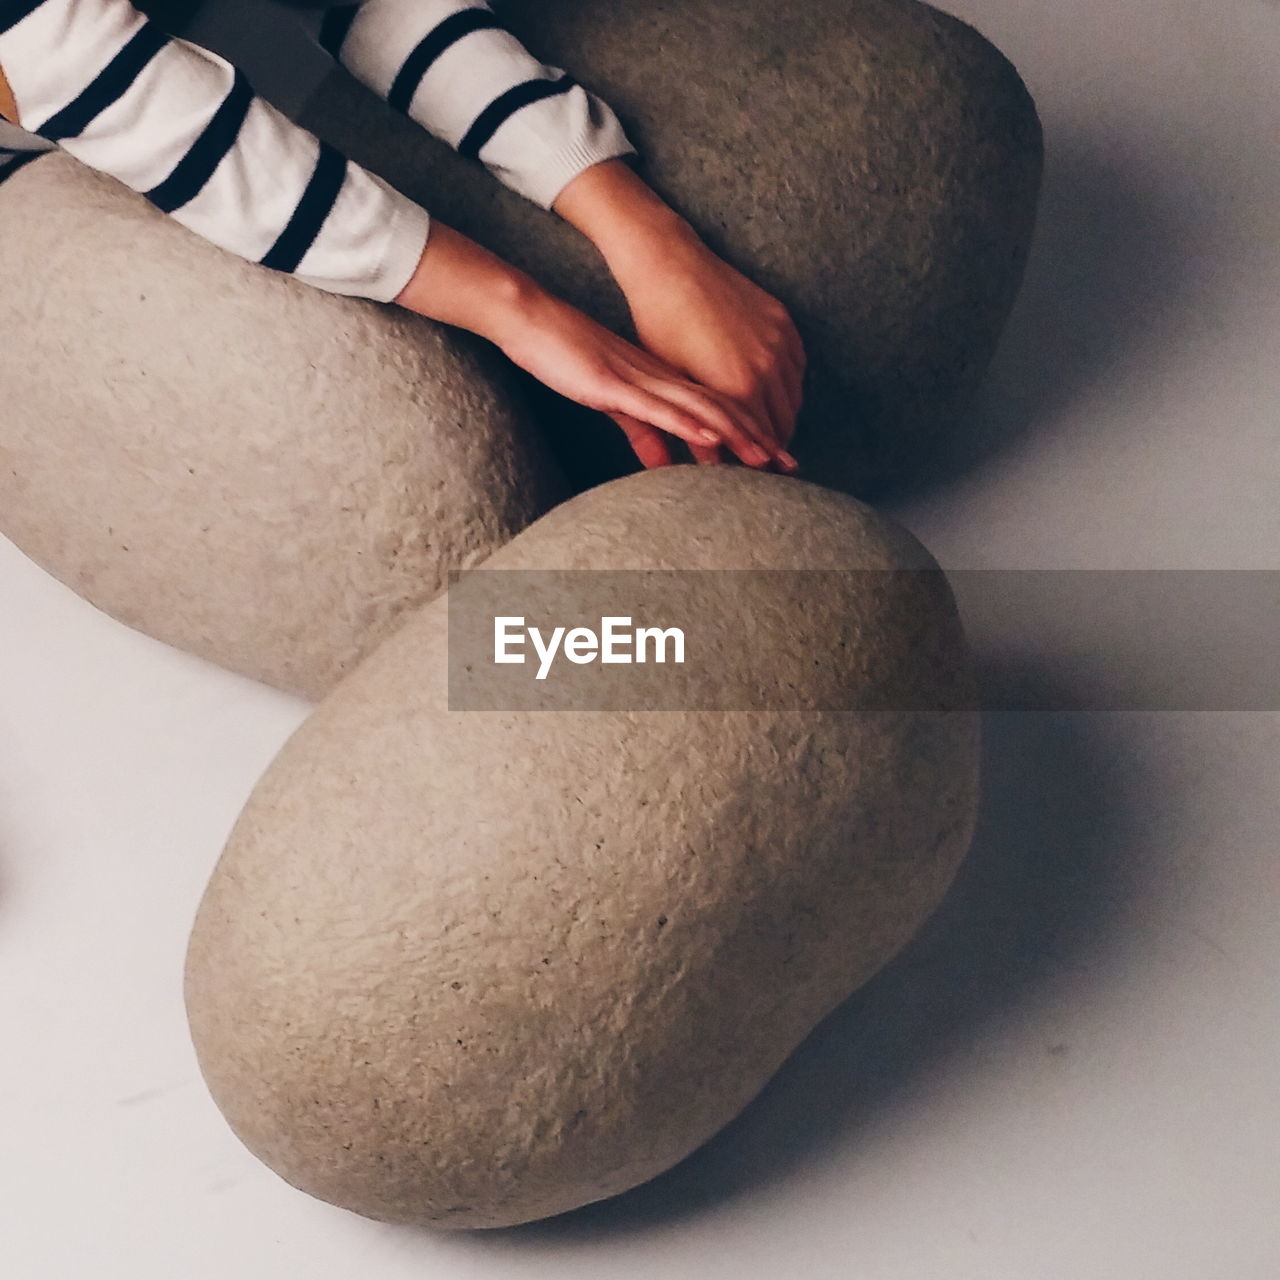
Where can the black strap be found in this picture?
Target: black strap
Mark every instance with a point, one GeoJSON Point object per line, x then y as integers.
{"type": "Point", "coordinates": [107, 87]}
{"type": "Point", "coordinates": [208, 151]}
{"type": "Point", "coordinates": [498, 112]}
{"type": "Point", "coordinates": [12, 12]}
{"type": "Point", "coordinates": [315, 206]}
{"type": "Point", "coordinates": [440, 38]}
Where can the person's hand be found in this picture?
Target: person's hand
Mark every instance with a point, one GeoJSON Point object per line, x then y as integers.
{"type": "Point", "coordinates": [689, 307]}
{"type": "Point", "coordinates": [584, 361]}
{"type": "Point", "coordinates": [710, 322]}
{"type": "Point", "coordinates": [460, 283]}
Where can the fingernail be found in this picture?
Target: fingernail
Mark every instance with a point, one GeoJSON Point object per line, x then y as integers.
{"type": "Point", "coordinates": [788, 461]}
{"type": "Point", "coordinates": [759, 457]}
{"type": "Point", "coordinates": [709, 437]}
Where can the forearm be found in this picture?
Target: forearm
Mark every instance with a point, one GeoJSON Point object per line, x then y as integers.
{"type": "Point", "coordinates": [183, 128]}
{"type": "Point", "coordinates": [451, 66]}
{"type": "Point", "coordinates": [626, 220]}
{"type": "Point", "coordinates": [461, 283]}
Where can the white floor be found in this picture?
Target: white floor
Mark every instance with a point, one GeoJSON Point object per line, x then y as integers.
{"type": "Point", "coordinates": [1072, 1076]}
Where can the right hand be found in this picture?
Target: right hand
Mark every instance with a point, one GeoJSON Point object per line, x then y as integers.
{"type": "Point", "coordinates": [460, 283]}
{"type": "Point", "coordinates": [646, 397]}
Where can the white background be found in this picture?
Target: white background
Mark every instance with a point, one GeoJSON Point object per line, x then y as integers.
{"type": "Point", "coordinates": [1071, 1076]}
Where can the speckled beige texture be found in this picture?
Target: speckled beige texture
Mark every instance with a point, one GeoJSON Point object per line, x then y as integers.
{"type": "Point", "coordinates": [229, 460]}
{"type": "Point", "coordinates": [470, 969]}
{"type": "Point", "coordinates": [874, 163]}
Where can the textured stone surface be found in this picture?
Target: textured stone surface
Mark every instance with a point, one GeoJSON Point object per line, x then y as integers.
{"type": "Point", "coordinates": [875, 163]}
{"type": "Point", "coordinates": [475, 968]}
{"type": "Point", "coordinates": [226, 459]}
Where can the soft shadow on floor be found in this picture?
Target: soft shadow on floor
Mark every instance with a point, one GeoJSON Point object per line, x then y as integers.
{"type": "Point", "coordinates": [6, 874]}
{"type": "Point", "coordinates": [1037, 895]}
{"type": "Point", "coordinates": [1109, 296]}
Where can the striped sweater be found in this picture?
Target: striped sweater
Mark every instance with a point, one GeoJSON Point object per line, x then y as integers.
{"type": "Point", "coordinates": [182, 127]}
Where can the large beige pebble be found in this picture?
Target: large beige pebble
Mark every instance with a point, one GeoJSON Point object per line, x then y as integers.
{"type": "Point", "coordinates": [874, 163]}
{"type": "Point", "coordinates": [229, 460]}
{"type": "Point", "coordinates": [473, 968]}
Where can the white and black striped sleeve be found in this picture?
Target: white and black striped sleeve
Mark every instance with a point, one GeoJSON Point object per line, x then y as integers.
{"type": "Point", "coordinates": [450, 66]}
{"type": "Point", "coordinates": [182, 127]}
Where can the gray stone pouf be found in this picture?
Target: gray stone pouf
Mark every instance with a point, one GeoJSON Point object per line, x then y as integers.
{"type": "Point", "coordinates": [875, 163]}
{"type": "Point", "coordinates": [229, 460]}
{"type": "Point", "coordinates": [472, 968]}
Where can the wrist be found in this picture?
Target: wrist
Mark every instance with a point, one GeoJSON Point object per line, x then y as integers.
{"type": "Point", "coordinates": [517, 305]}
{"type": "Point", "coordinates": [621, 215]}
{"type": "Point", "coordinates": [460, 283]}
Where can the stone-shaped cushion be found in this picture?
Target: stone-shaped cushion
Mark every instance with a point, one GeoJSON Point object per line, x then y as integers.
{"type": "Point", "coordinates": [874, 163]}
{"type": "Point", "coordinates": [243, 466]}
{"type": "Point", "coordinates": [471, 968]}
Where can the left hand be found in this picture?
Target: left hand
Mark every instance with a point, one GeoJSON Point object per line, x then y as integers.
{"type": "Point", "coordinates": [693, 310]}
{"type": "Point", "coordinates": [689, 307]}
